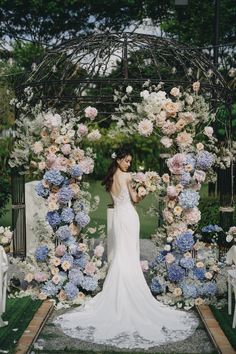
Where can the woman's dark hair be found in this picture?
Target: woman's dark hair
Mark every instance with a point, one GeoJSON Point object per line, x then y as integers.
{"type": "Point", "coordinates": [119, 154]}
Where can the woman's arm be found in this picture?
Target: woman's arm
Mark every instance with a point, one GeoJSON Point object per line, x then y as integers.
{"type": "Point", "coordinates": [134, 195]}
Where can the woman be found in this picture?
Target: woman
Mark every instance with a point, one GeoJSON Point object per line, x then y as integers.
{"type": "Point", "coordinates": [124, 313]}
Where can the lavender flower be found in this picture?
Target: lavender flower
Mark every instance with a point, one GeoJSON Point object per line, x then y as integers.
{"type": "Point", "coordinates": [189, 291]}
{"type": "Point", "coordinates": [63, 233]}
{"type": "Point", "coordinates": [189, 199]}
{"type": "Point", "coordinates": [185, 241]}
{"type": "Point", "coordinates": [65, 194]}
{"type": "Point", "coordinates": [53, 218]}
{"type": "Point", "coordinates": [190, 160]}
{"type": "Point", "coordinates": [76, 171]}
{"type": "Point", "coordinates": [204, 160]}
{"type": "Point", "coordinates": [187, 262]}
{"type": "Point", "coordinates": [81, 261]}
{"type": "Point", "coordinates": [76, 277]}
{"type": "Point", "coordinates": [41, 190]}
{"type": "Point", "coordinates": [41, 253]}
{"type": "Point", "coordinates": [89, 283]}
{"type": "Point", "coordinates": [175, 273]}
{"type": "Point", "coordinates": [82, 218]}
{"type": "Point", "coordinates": [71, 290]}
{"type": "Point", "coordinates": [67, 215]}
{"type": "Point", "coordinates": [54, 177]}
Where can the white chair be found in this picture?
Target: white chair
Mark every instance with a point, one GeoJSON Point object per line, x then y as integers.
{"type": "Point", "coordinates": [3, 284]}
{"type": "Point", "coordinates": [232, 287]}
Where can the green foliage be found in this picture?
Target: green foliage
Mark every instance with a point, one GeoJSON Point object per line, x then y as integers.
{"type": "Point", "coordinates": [4, 193]}
{"type": "Point", "coordinates": [209, 207]}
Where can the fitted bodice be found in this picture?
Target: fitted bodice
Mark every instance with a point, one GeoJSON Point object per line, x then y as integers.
{"type": "Point", "coordinates": [123, 197]}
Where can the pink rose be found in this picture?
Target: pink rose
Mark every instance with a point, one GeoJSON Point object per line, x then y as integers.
{"type": "Point", "coordinates": [91, 112]}
{"type": "Point", "coordinates": [145, 127]}
{"type": "Point", "coordinates": [169, 258]}
{"type": "Point", "coordinates": [90, 268]}
{"type": "Point", "coordinates": [144, 265]}
{"type": "Point", "coordinates": [40, 277]}
{"type": "Point", "coordinates": [176, 229]}
{"type": "Point", "coordinates": [98, 251]}
{"type": "Point", "coordinates": [139, 177]}
{"type": "Point", "coordinates": [199, 176]}
{"type": "Point", "coordinates": [66, 149]}
{"type": "Point", "coordinates": [51, 158]}
{"type": "Point", "coordinates": [187, 117]}
{"type": "Point", "coordinates": [168, 128]}
{"type": "Point", "coordinates": [82, 130]}
{"type": "Point", "coordinates": [184, 139]}
{"type": "Point", "coordinates": [176, 163]}
{"type": "Point", "coordinates": [60, 250]}
{"type": "Point", "coordinates": [192, 216]}
{"type": "Point", "coordinates": [171, 192]}
{"type": "Point", "coordinates": [87, 165]}
{"type": "Point", "coordinates": [175, 91]}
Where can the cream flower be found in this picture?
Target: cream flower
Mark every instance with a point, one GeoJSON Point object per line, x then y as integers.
{"type": "Point", "coordinates": [175, 91]}
{"type": "Point", "coordinates": [37, 147]}
{"type": "Point", "coordinates": [66, 265]}
{"type": "Point", "coordinates": [171, 108]}
{"type": "Point", "coordinates": [180, 124]}
{"type": "Point", "coordinates": [29, 277]}
{"type": "Point", "coordinates": [56, 261]}
{"type": "Point", "coordinates": [199, 146]}
{"type": "Point", "coordinates": [184, 139]}
{"type": "Point", "coordinates": [169, 258]}
{"type": "Point", "coordinates": [42, 296]}
{"type": "Point", "coordinates": [145, 127]}
{"type": "Point", "coordinates": [200, 265]}
{"type": "Point", "coordinates": [167, 142]}
{"type": "Point", "coordinates": [199, 301]}
{"type": "Point", "coordinates": [166, 178]}
{"type": "Point", "coordinates": [177, 292]}
{"type": "Point", "coordinates": [196, 86]}
{"type": "Point", "coordinates": [61, 296]}
{"type": "Point", "coordinates": [178, 210]}
{"type": "Point", "coordinates": [208, 275]}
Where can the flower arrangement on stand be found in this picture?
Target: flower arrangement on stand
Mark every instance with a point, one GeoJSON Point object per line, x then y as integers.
{"type": "Point", "coordinates": [5, 238]}
{"type": "Point", "coordinates": [181, 119]}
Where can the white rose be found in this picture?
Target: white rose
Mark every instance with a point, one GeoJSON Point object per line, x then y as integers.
{"type": "Point", "coordinates": [167, 248]}
{"type": "Point", "coordinates": [144, 94]}
{"type": "Point", "coordinates": [129, 89]}
{"type": "Point", "coordinates": [229, 238]}
{"type": "Point", "coordinates": [1, 229]}
{"type": "Point", "coordinates": [175, 92]}
{"type": "Point", "coordinates": [208, 131]}
{"type": "Point", "coordinates": [169, 239]}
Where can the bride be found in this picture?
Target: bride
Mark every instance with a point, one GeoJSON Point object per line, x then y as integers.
{"type": "Point", "coordinates": [125, 313]}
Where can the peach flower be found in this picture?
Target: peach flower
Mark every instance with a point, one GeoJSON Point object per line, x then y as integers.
{"type": "Point", "coordinates": [177, 292]}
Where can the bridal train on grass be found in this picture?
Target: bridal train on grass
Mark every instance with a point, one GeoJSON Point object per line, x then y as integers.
{"type": "Point", "coordinates": [125, 313]}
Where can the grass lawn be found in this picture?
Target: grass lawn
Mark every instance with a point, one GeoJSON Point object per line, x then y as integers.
{"type": "Point", "coordinates": [225, 322]}
{"type": "Point", "coordinates": [19, 312]}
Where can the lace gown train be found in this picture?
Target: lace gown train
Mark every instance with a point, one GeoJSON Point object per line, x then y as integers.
{"type": "Point", "coordinates": [124, 313]}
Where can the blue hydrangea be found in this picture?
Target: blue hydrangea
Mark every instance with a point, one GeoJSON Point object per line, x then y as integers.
{"type": "Point", "coordinates": [208, 289]}
{"type": "Point", "coordinates": [53, 218]}
{"type": "Point", "coordinates": [212, 228]}
{"type": "Point", "coordinates": [157, 260]}
{"type": "Point", "coordinates": [64, 195]}
{"type": "Point", "coordinates": [41, 253]}
{"type": "Point", "coordinates": [81, 261]}
{"type": "Point", "coordinates": [189, 291]}
{"type": "Point", "coordinates": [67, 215]}
{"type": "Point", "coordinates": [187, 262]}
{"type": "Point", "coordinates": [185, 241]}
{"type": "Point", "coordinates": [41, 190]}
{"type": "Point", "coordinates": [54, 177]}
{"type": "Point", "coordinates": [74, 249]}
{"type": "Point", "coordinates": [82, 218]}
{"type": "Point", "coordinates": [67, 257]}
{"type": "Point", "coordinates": [199, 273]}
{"type": "Point", "coordinates": [71, 290]}
{"type": "Point", "coordinates": [76, 171]}
{"type": "Point", "coordinates": [76, 277]}
{"type": "Point", "coordinates": [156, 287]}
{"type": "Point", "coordinates": [204, 160]}
{"type": "Point", "coordinates": [190, 160]}
{"type": "Point", "coordinates": [63, 233]}
{"type": "Point", "coordinates": [89, 283]}
{"type": "Point", "coordinates": [175, 273]}
{"type": "Point", "coordinates": [185, 178]}
{"type": "Point", "coordinates": [50, 289]}
{"type": "Point", "coordinates": [189, 199]}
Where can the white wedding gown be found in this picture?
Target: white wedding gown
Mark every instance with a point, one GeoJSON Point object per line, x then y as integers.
{"type": "Point", "coordinates": [125, 313]}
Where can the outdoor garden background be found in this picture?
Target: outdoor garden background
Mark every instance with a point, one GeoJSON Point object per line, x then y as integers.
{"type": "Point", "coordinates": [37, 29]}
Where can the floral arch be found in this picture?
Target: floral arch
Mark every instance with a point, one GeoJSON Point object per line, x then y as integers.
{"type": "Point", "coordinates": [76, 76]}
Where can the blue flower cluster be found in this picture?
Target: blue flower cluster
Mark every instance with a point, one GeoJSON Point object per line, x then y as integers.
{"type": "Point", "coordinates": [187, 262]}
{"type": "Point", "coordinates": [50, 289]}
{"type": "Point", "coordinates": [53, 218]}
{"type": "Point", "coordinates": [41, 253]}
{"type": "Point", "coordinates": [185, 241]}
{"type": "Point", "coordinates": [189, 291]}
{"type": "Point", "coordinates": [199, 273]}
{"type": "Point", "coordinates": [67, 215]}
{"type": "Point", "coordinates": [204, 160]}
{"type": "Point", "coordinates": [41, 190]}
{"type": "Point", "coordinates": [71, 290]}
{"type": "Point", "coordinates": [156, 287]}
{"type": "Point", "coordinates": [76, 171]}
{"type": "Point", "coordinates": [81, 261]}
{"type": "Point", "coordinates": [63, 233]}
{"type": "Point", "coordinates": [175, 273]}
{"type": "Point", "coordinates": [190, 160]}
{"type": "Point", "coordinates": [208, 289]}
{"type": "Point", "coordinates": [185, 178]}
{"type": "Point", "coordinates": [54, 177]}
{"type": "Point", "coordinates": [82, 218]}
{"type": "Point", "coordinates": [157, 260]}
{"type": "Point", "coordinates": [76, 277]}
{"type": "Point", "coordinates": [65, 194]}
{"type": "Point", "coordinates": [212, 228]}
{"type": "Point", "coordinates": [89, 283]}
{"type": "Point", "coordinates": [189, 199]}
{"type": "Point", "coordinates": [67, 257]}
